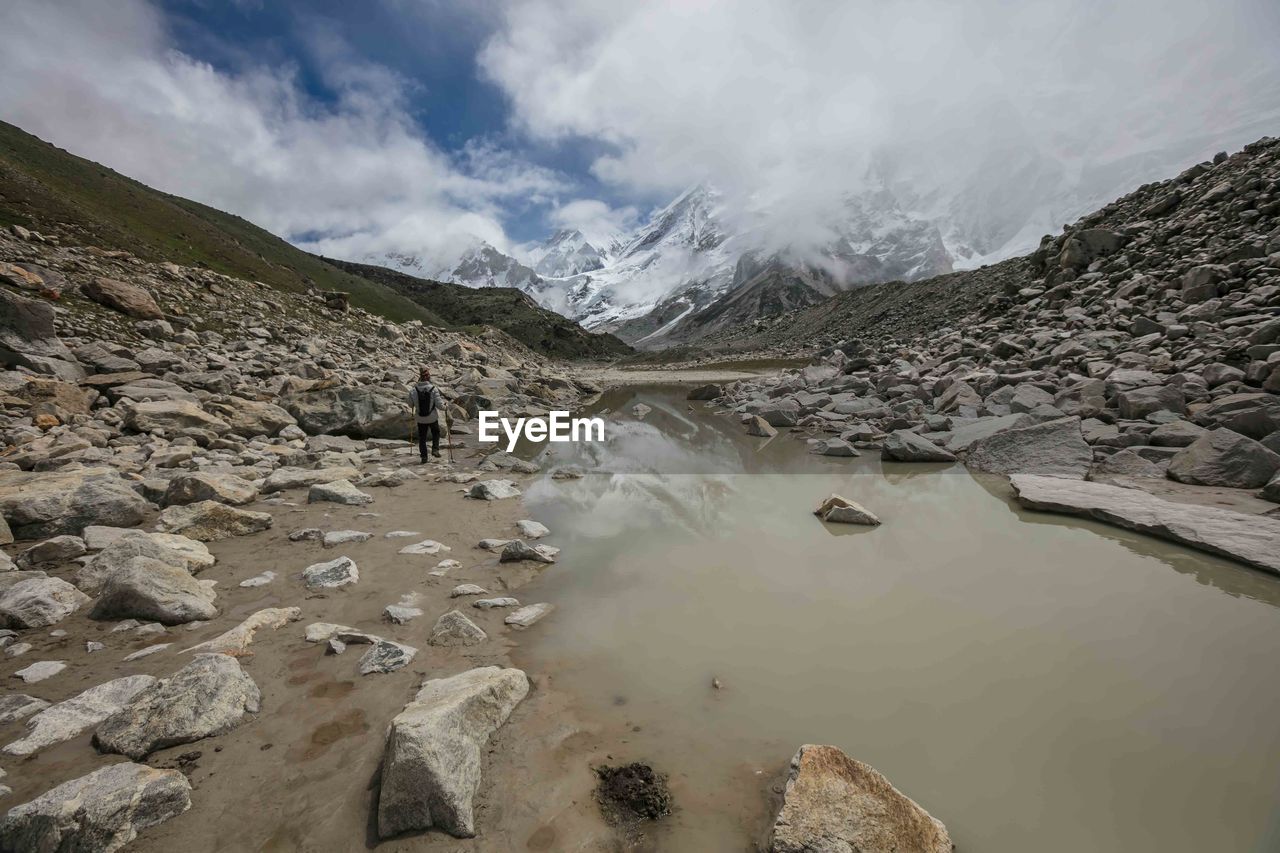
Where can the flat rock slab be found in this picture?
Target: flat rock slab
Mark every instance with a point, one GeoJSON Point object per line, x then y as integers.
{"type": "Point", "coordinates": [102, 811]}
{"type": "Point", "coordinates": [431, 770]}
{"type": "Point", "coordinates": [1250, 539]}
{"type": "Point", "coordinates": [1054, 448]}
{"type": "Point", "coordinates": [70, 717]}
{"type": "Point", "coordinates": [529, 614]}
{"type": "Point", "coordinates": [40, 670]}
{"type": "Point", "coordinates": [338, 492]}
{"type": "Point", "coordinates": [835, 804]}
{"type": "Point", "coordinates": [428, 547]}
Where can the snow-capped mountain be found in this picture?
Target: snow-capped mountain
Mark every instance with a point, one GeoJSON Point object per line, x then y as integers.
{"type": "Point", "coordinates": [481, 265]}
{"type": "Point", "coordinates": [567, 254]}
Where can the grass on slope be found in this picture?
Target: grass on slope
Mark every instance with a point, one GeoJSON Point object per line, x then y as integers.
{"type": "Point", "coordinates": [50, 190]}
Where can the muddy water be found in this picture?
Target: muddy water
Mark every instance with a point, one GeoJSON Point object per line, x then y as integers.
{"type": "Point", "coordinates": [1036, 682]}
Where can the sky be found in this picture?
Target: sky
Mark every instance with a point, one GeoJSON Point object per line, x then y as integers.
{"type": "Point", "coordinates": [422, 125]}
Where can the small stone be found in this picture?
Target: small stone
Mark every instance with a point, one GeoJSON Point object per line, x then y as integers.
{"type": "Point", "coordinates": [147, 652]}
{"type": "Point", "coordinates": [342, 537]}
{"type": "Point", "coordinates": [455, 629]}
{"type": "Point", "coordinates": [332, 574]}
{"type": "Point", "coordinates": [428, 547]}
{"type": "Point", "coordinates": [467, 589]}
{"type": "Point", "coordinates": [41, 670]}
{"type": "Point", "coordinates": [491, 603]}
{"type": "Point", "coordinates": [839, 510]}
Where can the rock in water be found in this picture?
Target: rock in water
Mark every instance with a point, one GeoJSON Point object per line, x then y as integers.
{"type": "Point", "coordinates": [70, 717]}
{"type": "Point", "coordinates": [906, 446]}
{"type": "Point", "coordinates": [39, 602]}
{"type": "Point", "coordinates": [455, 629]}
{"type": "Point", "coordinates": [431, 770]}
{"type": "Point", "coordinates": [517, 550]}
{"type": "Point", "coordinates": [529, 614]}
{"type": "Point", "coordinates": [839, 510]}
{"type": "Point", "coordinates": [1251, 539]}
{"type": "Point", "coordinates": [100, 812]}
{"type": "Point", "coordinates": [145, 588]}
{"type": "Point", "coordinates": [1054, 448]}
{"type": "Point", "coordinates": [760, 428]}
{"type": "Point", "coordinates": [1224, 458]}
{"type": "Point", "coordinates": [835, 804]}
{"type": "Point", "coordinates": [207, 697]}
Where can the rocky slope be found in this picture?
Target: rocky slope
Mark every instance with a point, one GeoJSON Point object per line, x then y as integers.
{"type": "Point", "coordinates": [1140, 347]}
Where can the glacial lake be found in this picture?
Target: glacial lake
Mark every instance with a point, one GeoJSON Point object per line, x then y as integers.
{"type": "Point", "coordinates": [1036, 682]}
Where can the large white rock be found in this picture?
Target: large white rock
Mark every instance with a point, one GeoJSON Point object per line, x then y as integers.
{"type": "Point", "coordinates": [331, 574]}
{"type": "Point", "coordinates": [493, 490]}
{"type": "Point", "coordinates": [145, 588]}
{"type": "Point", "coordinates": [210, 521]}
{"type": "Point", "coordinates": [101, 812]}
{"type": "Point", "coordinates": [209, 696]}
{"type": "Point", "coordinates": [188, 555]}
{"type": "Point", "coordinates": [338, 492]}
{"type": "Point", "coordinates": [431, 770]}
{"type": "Point", "coordinates": [1251, 539]}
{"type": "Point", "coordinates": [455, 629]}
{"type": "Point", "coordinates": [209, 486]}
{"type": "Point", "coordinates": [70, 717]}
{"type": "Point", "coordinates": [282, 479]}
{"type": "Point", "coordinates": [835, 804]}
{"type": "Point", "coordinates": [48, 503]}
{"type": "Point", "coordinates": [38, 602]}
{"type": "Point", "coordinates": [1054, 448]}
{"type": "Point", "coordinates": [528, 615]}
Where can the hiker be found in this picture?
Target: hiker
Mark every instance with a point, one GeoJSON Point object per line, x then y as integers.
{"type": "Point", "coordinates": [425, 400]}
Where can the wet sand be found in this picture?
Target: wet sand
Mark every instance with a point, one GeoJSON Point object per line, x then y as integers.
{"type": "Point", "coordinates": [303, 773]}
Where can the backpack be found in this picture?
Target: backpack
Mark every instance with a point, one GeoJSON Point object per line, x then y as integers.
{"type": "Point", "coordinates": [426, 399]}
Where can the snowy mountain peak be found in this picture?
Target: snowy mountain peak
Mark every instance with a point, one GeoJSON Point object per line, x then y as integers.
{"type": "Point", "coordinates": [566, 254]}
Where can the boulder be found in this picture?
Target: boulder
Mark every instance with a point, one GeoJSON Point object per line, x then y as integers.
{"type": "Point", "coordinates": [517, 550]}
{"type": "Point", "coordinates": [100, 812]}
{"type": "Point", "coordinates": [83, 711]}
{"type": "Point", "coordinates": [1222, 457]}
{"type": "Point", "coordinates": [93, 574]}
{"type": "Point", "coordinates": [965, 433]}
{"type": "Point", "coordinates": [760, 428]}
{"type": "Point", "coordinates": [431, 767]}
{"type": "Point", "coordinates": [39, 602]}
{"type": "Point", "coordinates": [531, 529]}
{"type": "Point", "coordinates": [835, 804]}
{"type": "Point", "coordinates": [834, 447]}
{"type": "Point", "coordinates": [1137, 403]}
{"type": "Point", "coordinates": [250, 418]}
{"type": "Point", "coordinates": [59, 549]}
{"type": "Point", "coordinates": [49, 503]}
{"type": "Point", "coordinates": [493, 490]}
{"type": "Point", "coordinates": [210, 521]}
{"type": "Point", "coordinates": [705, 392]}
{"type": "Point", "coordinates": [283, 479]}
{"type": "Point", "coordinates": [839, 510]}
{"type": "Point", "coordinates": [172, 416]}
{"type": "Point", "coordinates": [1054, 448]}
{"type": "Point", "coordinates": [350, 411]}
{"type": "Point", "coordinates": [209, 486]}
{"type": "Point", "coordinates": [29, 338]}
{"type": "Point", "coordinates": [1126, 463]}
{"type": "Point", "coordinates": [386, 656]}
{"type": "Point", "coordinates": [906, 446]}
{"type": "Point", "coordinates": [338, 492]}
{"type": "Point", "coordinates": [455, 629]}
{"type": "Point", "coordinates": [123, 297]}
{"type": "Point", "coordinates": [1254, 415]}
{"type": "Point", "coordinates": [154, 591]}
{"type": "Point", "coordinates": [1250, 539]}
{"type": "Point", "coordinates": [209, 696]}
{"type": "Point", "coordinates": [1175, 434]}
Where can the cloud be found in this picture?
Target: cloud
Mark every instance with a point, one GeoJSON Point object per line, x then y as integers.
{"type": "Point", "coordinates": [967, 107]}
{"type": "Point", "coordinates": [598, 222]}
{"type": "Point", "coordinates": [353, 174]}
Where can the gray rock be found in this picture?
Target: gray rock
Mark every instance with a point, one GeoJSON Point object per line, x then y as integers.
{"type": "Point", "coordinates": [15, 706]}
{"type": "Point", "coordinates": [705, 392]}
{"type": "Point", "coordinates": [1175, 434]}
{"type": "Point", "coordinates": [493, 490]}
{"type": "Point", "coordinates": [1254, 415]}
{"type": "Point", "coordinates": [83, 711]}
{"type": "Point", "coordinates": [283, 479]}
{"type": "Point", "coordinates": [431, 768]}
{"type": "Point", "coordinates": [40, 670]}
{"type": "Point", "coordinates": [455, 629]}
{"type": "Point", "coordinates": [357, 412]}
{"type": "Point", "coordinates": [834, 447]}
{"type": "Point", "coordinates": [93, 574]}
{"type": "Point", "coordinates": [210, 521]}
{"type": "Point", "coordinates": [1126, 463]}
{"type": "Point", "coordinates": [528, 615]}
{"type": "Point", "coordinates": [1250, 539]}
{"type": "Point", "coordinates": [1224, 458]}
{"type": "Point", "coordinates": [338, 492]}
{"type": "Point", "coordinates": [173, 416]}
{"type": "Point", "coordinates": [209, 696]}
{"type": "Point", "coordinates": [100, 812]}
{"type": "Point", "coordinates": [835, 804]}
{"type": "Point", "coordinates": [839, 510]}
{"type": "Point", "coordinates": [906, 446]}
{"type": "Point", "coordinates": [334, 538]}
{"type": "Point", "coordinates": [964, 434]}
{"type": "Point", "coordinates": [531, 529]}
{"type": "Point", "coordinates": [209, 486]}
{"type": "Point", "coordinates": [1137, 403]}
{"type": "Point", "coordinates": [145, 588]}
{"type": "Point", "coordinates": [517, 550]}
{"type": "Point", "coordinates": [760, 428]}
{"type": "Point", "coordinates": [50, 503]}
{"type": "Point", "coordinates": [39, 602]}
{"type": "Point", "coordinates": [386, 656]}
{"type": "Point", "coordinates": [1054, 448]}
{"type": "Point", "coordinates": [332, 574]}
{"type": "Point", "coordinates": [59, 549]}
{"type": "Point", "coordinates": [467, 589]}
{"type": "Point", "coordinates": [491, 603]}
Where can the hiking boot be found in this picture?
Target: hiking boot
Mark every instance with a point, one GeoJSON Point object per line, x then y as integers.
{"type": "Point", "coordinates": [435, 453]}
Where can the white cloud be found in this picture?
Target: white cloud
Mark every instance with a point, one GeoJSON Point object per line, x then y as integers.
{"type": "Point", "coordinates": [356, 175]}
{"type": "Point", "coordinates": [598, 222]}
{"type": "Point", "coordinates": [784, 105]}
